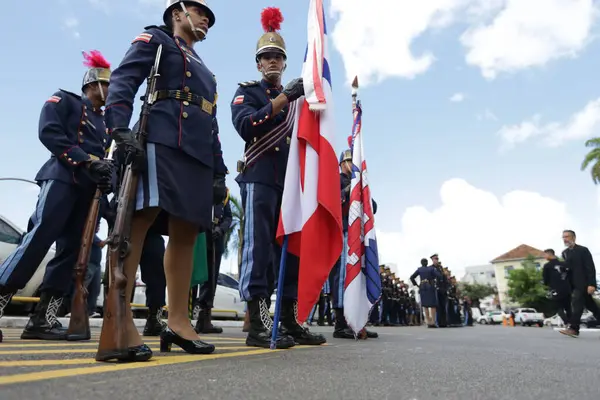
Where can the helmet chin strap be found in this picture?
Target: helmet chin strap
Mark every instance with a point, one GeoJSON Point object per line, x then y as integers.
{"type": "Point", "coordinates": [101, 92]}
{"type": "Point", "coordinates": [195, 31]}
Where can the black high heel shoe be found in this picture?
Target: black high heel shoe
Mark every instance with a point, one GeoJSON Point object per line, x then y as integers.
{"type": "Point", "coordinates": [140, 353]}
{"type": "Point", "coordinates": [168, 338]}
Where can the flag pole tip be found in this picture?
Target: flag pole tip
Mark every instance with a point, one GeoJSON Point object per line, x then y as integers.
{"type": "Point", "coordinates": [355, 83]}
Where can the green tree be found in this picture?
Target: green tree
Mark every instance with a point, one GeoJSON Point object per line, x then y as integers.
{"type": "Point", "coordinates": [526, 288]}
{"type": "Point", "coordinates": [476, 292]}
{"type": "Point", "coordinates": [593, 158]}
{"type": "Point", "coordinates": [233, 237]}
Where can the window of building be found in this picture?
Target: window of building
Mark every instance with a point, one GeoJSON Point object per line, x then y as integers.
{"type": "Point", "coordinates": [507, 270]}
{"type": "Point", "coordinates": [8, 234]}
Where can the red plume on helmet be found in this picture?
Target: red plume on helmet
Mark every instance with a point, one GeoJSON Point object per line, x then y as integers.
{"type": "Point", "coordinates": [271, 19]}
{"type": "Point", "coordinates": [95, 59]}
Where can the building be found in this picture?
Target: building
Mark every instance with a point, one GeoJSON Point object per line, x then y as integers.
{"type": "Point", "coordinates": [482, 274]}
{"type": "Point", "coordinates": [513, 260]}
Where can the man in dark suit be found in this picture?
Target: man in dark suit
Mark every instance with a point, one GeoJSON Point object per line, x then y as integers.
{"type": "Point", "coordinates": [582, 273]}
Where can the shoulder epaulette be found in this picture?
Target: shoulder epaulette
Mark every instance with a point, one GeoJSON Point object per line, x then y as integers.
{"type": "Point", "coordinates": [249, 83]}
{"type": "Point", "coordinates": [78, 97]}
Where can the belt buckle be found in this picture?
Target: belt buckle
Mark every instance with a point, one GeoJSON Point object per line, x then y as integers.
{"type": "Point", "coordinates": [207, 106]}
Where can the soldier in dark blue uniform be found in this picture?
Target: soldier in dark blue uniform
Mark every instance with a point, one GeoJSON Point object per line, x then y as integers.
{"type": "Point", "coordinates": [215, 246]}
{"type": "Point", "coordinates": [427, 290]}
{"type": "Point", "coordinates": [337, 275]}
{"type": "Point", "coordinates": [263, 115]}
{"type": "Point", "coordinates": [182, 169]}
{"type": "Point", "coordinates": [442, 286]}
{"type": "Point", "coordinates": [72, 129]}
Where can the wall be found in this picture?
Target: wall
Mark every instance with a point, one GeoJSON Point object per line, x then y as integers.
{"type": "Point", "coordinates": [501, 269]}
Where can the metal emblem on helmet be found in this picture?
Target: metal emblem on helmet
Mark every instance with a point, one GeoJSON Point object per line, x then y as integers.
{"type": "Point", "coordinates": [271, 41]}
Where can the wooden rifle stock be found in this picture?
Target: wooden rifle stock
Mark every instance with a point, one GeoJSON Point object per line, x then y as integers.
{"type": "Point", "coordinates": [113, 337]}
{"type": "Point", "coordinates": [79, 323]}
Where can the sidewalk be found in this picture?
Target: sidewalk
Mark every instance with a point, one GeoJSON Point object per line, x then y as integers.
{"type": "Point", "coordinates": [20, 322]}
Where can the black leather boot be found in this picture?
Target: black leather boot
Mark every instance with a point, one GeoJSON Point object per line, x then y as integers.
{"type": "Point", "coordinates": [43, 324]}
{"type": "Point", "coordinates": [4, 301]}
{"type": "Point", "coordinates": [154, 323]}
{"type": "Point", "coordinates": [341, 329]}
{"type": "Point", "coordinates": [204, 323]}
{"type": "Point", "coordinates": [261, 326]}
{"type": "Point", "coordinates": [291, 327]}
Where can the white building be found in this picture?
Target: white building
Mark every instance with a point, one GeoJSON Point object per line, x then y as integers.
{"type": "Point", "coordinates": [482, 274]}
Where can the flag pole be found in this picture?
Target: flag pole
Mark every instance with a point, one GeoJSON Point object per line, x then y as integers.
{"type": "Point", "coordinates": [279, 296]}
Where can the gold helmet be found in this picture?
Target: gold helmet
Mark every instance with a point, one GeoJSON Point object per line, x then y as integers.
{"type": "Point", "coordinates": [271, 41]}
{"type": "Point", "coordinates": [99, 68]}
{"type": "Point", "coordinates": [346, 156]}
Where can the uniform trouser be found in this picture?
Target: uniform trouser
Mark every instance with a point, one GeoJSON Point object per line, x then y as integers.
{"type": "Point", "coordinates": [208, 289]}
{"type": "Point", "coordinates": [324, 308]}
{"type": "Point", "coordinates": [562, 303]}
{"type": "Point", "coordinates": [94, 284]}
{"type": "Point", "coordinates": [153, 270]}
{"type": "Point", "coordinates": [441, 314]}
{"type": "Point", "coordinates": [261, 254]}
{"type": "Point", "coordinates": [374, 317]}
{"type": "Point", "coordinates": [60, 217]}
{"type": "Point", "coordinates": [580, 299]}
{"type": "Point", "coordinates": [337, 277]}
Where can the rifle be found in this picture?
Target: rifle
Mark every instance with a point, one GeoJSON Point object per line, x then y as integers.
{"type": "Point", "coordinates": [113, 337]}
{"type": "Point", "coordinates": [79, 323]}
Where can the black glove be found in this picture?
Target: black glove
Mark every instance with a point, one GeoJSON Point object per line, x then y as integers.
{"type": "Point", "coordinates": [132, 150]}
{"type": "Point", "coordinates": [101, 172]}
{"type": "Point", "coordinates": [219, 189]}
{"type": "Point", "coordinates": [294, 89]}
{"type": "Point", "coordinates": [217, 233]}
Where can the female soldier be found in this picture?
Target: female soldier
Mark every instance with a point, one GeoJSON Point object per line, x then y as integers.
{"type": "Point", "coordinates": [182, 159]}
{"type": "Point", "coordinates": [427, 275]}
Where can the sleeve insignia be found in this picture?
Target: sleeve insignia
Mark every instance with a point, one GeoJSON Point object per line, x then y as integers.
{"type": "Point", "coordinates": [142, 37]}
{"type": "Point", "coordinates": [53, 99]}
{"type": "Point", "coordinates": [238, 100]}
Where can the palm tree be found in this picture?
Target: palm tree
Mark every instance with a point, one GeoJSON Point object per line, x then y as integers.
{"type": "Point", "coordinates": [233, 237]}
{"type": "Point", "coordinates": [593, 157]}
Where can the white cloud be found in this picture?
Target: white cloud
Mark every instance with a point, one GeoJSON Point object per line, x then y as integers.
{"type": "Point", "coordinates": [376, 42]}
{"type": "Point", "coordinates": [457, 97]}
{"type": "Point", "coordinates": [487, 115]}
{"type": "Point", "coordinates": [473, 226]}
{"type": "Point", "coordinates": [529, 33]}
{"type": "Point", "coordinates": [71, 24]}
{"type": "Point", "coordinates": [581, 125]}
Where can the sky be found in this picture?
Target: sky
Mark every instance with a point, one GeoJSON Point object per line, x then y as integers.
{"type": "Point", "coordinates": [475, 112]}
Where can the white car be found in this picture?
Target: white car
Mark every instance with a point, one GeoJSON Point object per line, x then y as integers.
{"type": "Point", "coordinates": [491, 317]}
{"type": "Point", "coordinates": [10, 237]}
{"type": "Point", "coordinates": [227, 303]}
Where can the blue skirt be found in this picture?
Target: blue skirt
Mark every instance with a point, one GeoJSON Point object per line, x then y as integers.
{"type": "Point", "coordinates": [428, 295]}
{"type": "Point", "coordinates": [178, 184]}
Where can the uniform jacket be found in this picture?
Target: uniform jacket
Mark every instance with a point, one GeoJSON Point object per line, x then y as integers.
{"type": "Point", "coordinates": [428, 273]}
{"type": "Point", "coordinates": [74, 133]}
{"type": "Point", "coordinates": [178, 124]}
{"type": "Point", "coordinates": [555, 276]}
{"type": "Point", "coordinates": [581, 267]}
{"type": "Point", "coordinates": [267, 136]}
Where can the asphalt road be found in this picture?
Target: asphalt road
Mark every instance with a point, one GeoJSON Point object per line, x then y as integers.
{"type": "Point", "coordinates": [403, 364]}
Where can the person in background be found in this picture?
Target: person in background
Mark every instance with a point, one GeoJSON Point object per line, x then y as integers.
{"type": "Point", "coordinates": [582, 273]}
{"type": "Point", "coordinates": [427, 274]}
{"type": "Point", "coordinates": [555, 274]}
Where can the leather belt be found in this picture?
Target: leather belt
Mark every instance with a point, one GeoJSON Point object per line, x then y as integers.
{"type": "Point", "coordinates": [180, 95]}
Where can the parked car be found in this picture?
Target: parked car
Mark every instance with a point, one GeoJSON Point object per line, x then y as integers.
{"type": "Point", "coordinates": [491, 318]}
{"type": "Point", "coordinates": [10, 237]}
{"type": "Point", "coordinates": [554, 320]}
{"type": "Point", "coordinates": [227, 302]}
{"type": "Point", "coordinates": [528, 317]}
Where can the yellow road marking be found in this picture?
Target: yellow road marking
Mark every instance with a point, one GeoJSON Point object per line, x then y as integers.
{"type": "Point", "coordinates": [79, 344]}
{"type": "Point", "coordinates": [155, 362]}
{"type": "Point", "coordinates": [80, 361]}
{"type": "Point", "coordinates": [90, 350]}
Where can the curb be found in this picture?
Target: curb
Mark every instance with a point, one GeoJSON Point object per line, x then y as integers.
{"type": "Point", "coordinates": [20, 322]}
